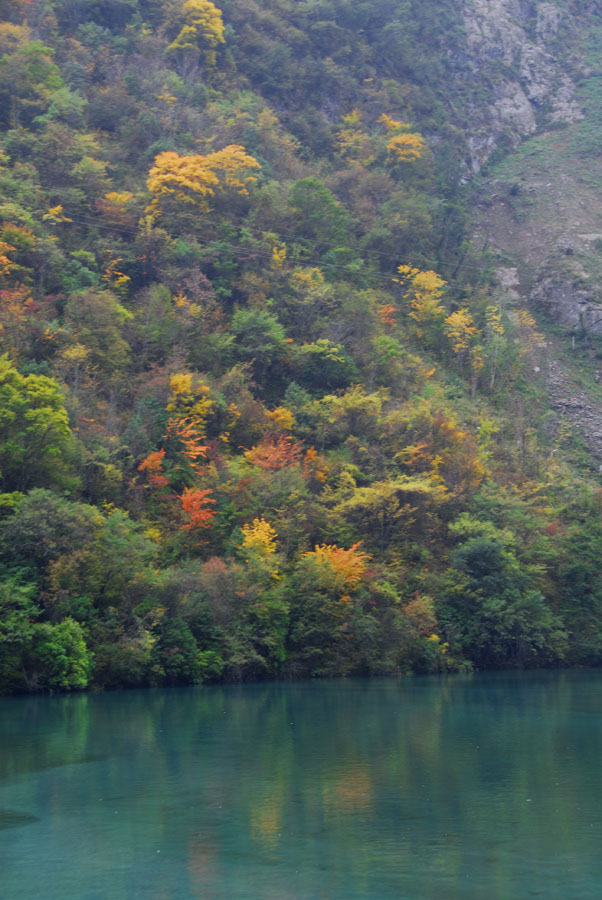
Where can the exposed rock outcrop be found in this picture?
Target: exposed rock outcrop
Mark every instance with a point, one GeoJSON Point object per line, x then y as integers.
{"type": "Point", "coordinates": [539, 212]}
{"type": "Point", "coordinates": [563, 294]}
{"type": "Point", "coordinates": [517, 75]}
{"type": "Point", "coordinates": [575, 405]}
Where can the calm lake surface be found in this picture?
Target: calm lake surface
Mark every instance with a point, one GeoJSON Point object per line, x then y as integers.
{"type": "Point", "coordinates": [485, 786]}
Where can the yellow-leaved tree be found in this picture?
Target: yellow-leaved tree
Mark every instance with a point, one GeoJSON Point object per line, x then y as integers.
{"type": "Point", "coordinates": [404, 145]}
{"type": "Point", "coordinates": [404, 148]}
{"type": "Point", "coordinates": [495, 340]}
{"type": "Point", "coordinates": [339, 570]}
{"type": "Point", "coordinates": [6, 264]}
{"type": "Point", "coordinates": [463, 336]}
{"type": "Point", "coordinates": [189, 406]}
{"type": "Point", "coordinates": [177, 182]}
{"type": "Point", "coordinates": [258, 549]}
{"type": "Point", "coordinates": [189, 399]}
{"type": "Point", "coordinates": [424, 292]}
{"type": "Point", "coordinates": [353, 143]}
{"type": "Point", "coordinates": [202, 30]}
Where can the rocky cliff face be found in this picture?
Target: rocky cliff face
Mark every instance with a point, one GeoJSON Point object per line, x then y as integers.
{"type": "Point", "coordinates": [521, 72]}
{"type": "Point", "coordinates": [540, 207]}
{"type": "Point", "coordinates": [534, 90]}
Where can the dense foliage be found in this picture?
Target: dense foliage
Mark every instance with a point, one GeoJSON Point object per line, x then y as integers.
{"type": "Point", "coordinates": [261, 414]}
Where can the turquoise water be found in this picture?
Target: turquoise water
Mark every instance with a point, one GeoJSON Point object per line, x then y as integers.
{"type": "Point", "coordinates": [485, 787]}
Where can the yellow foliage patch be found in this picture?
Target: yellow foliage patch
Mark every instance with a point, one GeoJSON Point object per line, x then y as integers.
{"type": "Point", "coordinates": [405, 148]}
{"type": "Point", "coordinates": [348, 566]}
{"type": "Point", "coordinates": [189, 399]}
{"type": "Point", "coordinates": [203, 29]}
{"type": "Point", "coordinates": [260, 536]}
{"type": "Point", "coordinates": [193, 179]}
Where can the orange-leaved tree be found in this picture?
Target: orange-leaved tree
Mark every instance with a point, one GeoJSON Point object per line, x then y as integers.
{"type": "Point", "coordinates": [190, 406]}
{"type": "Point", "coordinates": [275, 453]}
{"type": "Point", "coordinates": [196, 503]}
{"type": "Point", "coordinates": [6, 264]}
{"type": "Point", "coordinates": [15, 311]}
{"type": "Point", "coordinates": [184, 439]}
{"type": "Point", "coordinates": [153, 466]}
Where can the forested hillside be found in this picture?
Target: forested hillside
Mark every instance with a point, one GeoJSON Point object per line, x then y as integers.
{"type": "Point", "coordinates": [263, 411]}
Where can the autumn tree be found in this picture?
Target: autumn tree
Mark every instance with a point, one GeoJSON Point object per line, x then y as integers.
{"type": "Point", "coordinates": [404, 146]}
{"type": "Point", "coordinates": [189, 406]}
{"type": "Point", "coordinates": [404, 504]}
{"type": "Point", "coordinates": [6, 263]}
{"type": "Point", "coordinates": [258, 548]}
{"type": "Point", "coordinates": [202, 30]}
{"type": "Point", "coordinates": [16, 307]}
{"type": "Point", "coordinates": [463, 336]}
{"type": "Point", "coordinates": [427, 439]}
{"type": "Point", "coordinates": [353, 142]}
{"type": "Point", "coordinates": [95, 320]}
{"type": "Point", "coordinates": [275, 453]}
{"type": "Point", "coordinates": [324, 607]}
{"type": "Point", "coordinates": [152, 466]}
{"type": "Point", "coordinates": [184, 441]}
{"type": "Point", "coordinates": [197, 505]}
{"type": "Point", "coordinates": [423, 292]}
{"type": "Point", "coordinates": [190, 399]}
{"type": "Point", "coordinates": [341, 570]}
{"type": "Point", "coordinates": [188, 182]}
{"type": "Point", "coordinates": [494, 341]}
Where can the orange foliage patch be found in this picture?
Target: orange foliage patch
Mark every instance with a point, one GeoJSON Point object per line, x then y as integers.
{"type": "Point", "coordinates": [153, 466]}
{"type": "Point", "coordinates": [387, 313]}
{"type": "Point", "coordinates": [6, 264]}
{"type": "Point", "coordinates": [275, 453]}
{"type": "Point", "coordinates": [186, 432]}
{"type": "Point", "coordinates": [313, 465]}
{"type": "Point", "coordinates": [195, 504]}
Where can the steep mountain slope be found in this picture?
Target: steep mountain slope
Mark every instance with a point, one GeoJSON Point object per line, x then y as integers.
{"type": "Point", "coordinates": [538, 214]}
{"type": "Point", "coordinates": [267, 408]}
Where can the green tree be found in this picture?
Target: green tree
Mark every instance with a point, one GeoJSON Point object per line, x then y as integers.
{"type": "Point", "coordinates": [175, 656]}
{"type": "Point", "coordinates": [59, 658]}
{"type": "Point", "coordinates": [96, 320]}
{"type": "Point", "coordinates": [320, 217]}
{"type": "Point", "coordinates": [322, 366]}
{"type": "Point", "coordinates": [492, 612]}
{"type": "Point", "coordinates": [28, 77]}
{"type": "Point", "coordinates": [43, 527]}
{"type": "Point", "coordinates": [38, 655]}
{"type": "Point", "coordinates": [36, 442]}
{"type": "Point", "coordinates": [259, 340]}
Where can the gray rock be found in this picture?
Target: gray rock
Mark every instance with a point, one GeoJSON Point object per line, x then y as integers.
{"type": "Point", "coordinates": [524, 78]}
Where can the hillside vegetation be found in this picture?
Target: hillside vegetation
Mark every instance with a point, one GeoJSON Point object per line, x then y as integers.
{"type": "Point", "coordinates": [262, 412]}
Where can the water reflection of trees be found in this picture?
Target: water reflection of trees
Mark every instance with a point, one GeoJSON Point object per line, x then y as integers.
{"type": "Point", "coordinates": [354, 789]}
